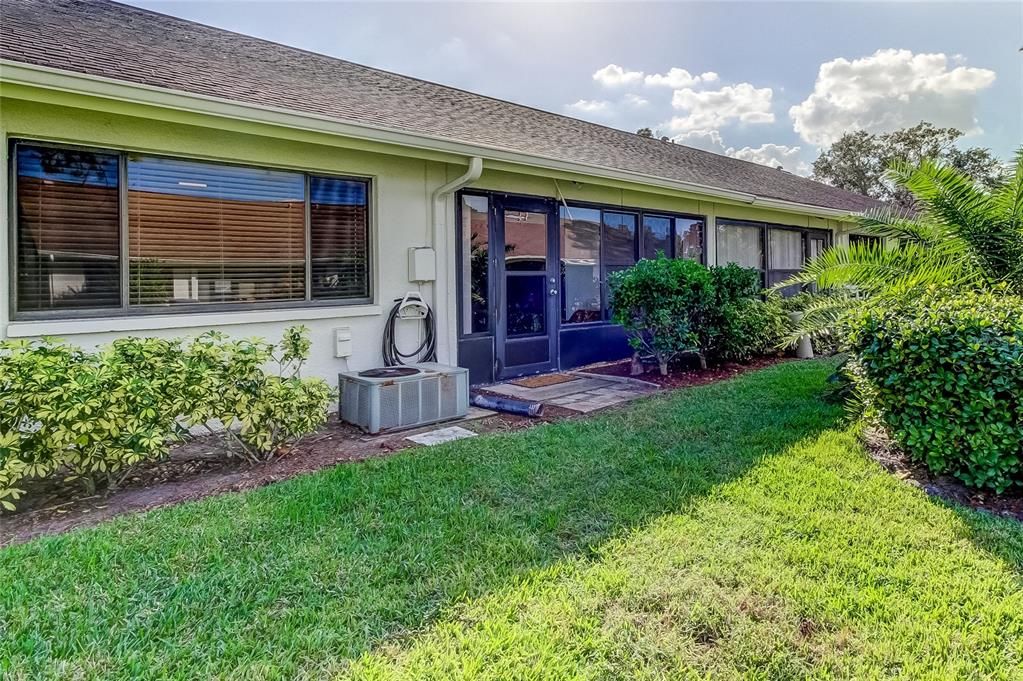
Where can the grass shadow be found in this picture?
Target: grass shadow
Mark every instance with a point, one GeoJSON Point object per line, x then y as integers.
{"type": "Point", "coordinates": [326, 566]}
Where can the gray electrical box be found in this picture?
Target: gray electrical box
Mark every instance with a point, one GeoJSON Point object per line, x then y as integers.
{"type": "Point", "coordinates": [392, 398]}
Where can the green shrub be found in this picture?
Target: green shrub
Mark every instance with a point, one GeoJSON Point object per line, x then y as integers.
{"type": "Point", "coordinates": [733, 283]}
{"type": "Point", "coordinates": [671, 307]}
{"type": "Point", "coordinates": [88, 414]}
{"type": "Point", "coordinates": [742, 323]}
{"type": "Point", "coordinates": [266, 408]}
{"type": "Point", "coordinates": [945, 374]}
{"type": "Point", "coordinates": [750, 327]}
{"type": "Point", "coordinates": [93, 415]}
{"type": "Point", "coordinates": [662, 304]}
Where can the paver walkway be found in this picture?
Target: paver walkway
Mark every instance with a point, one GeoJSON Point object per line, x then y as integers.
{"type": "Point", "coordinates": [584, 393]}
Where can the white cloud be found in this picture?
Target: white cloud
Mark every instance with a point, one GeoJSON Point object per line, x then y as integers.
{"type": "Point", "coordinates": [772, 155]}
{"type": "Point", "coordinates": [708, 140]}
{"type": "Point", "coordinates": [710, 109]}
{"type": "Point", "coordinates": [679, 78]}
{"type": "Point", "coordinates": [635, 101]}
{"type": "Point", "coordinates": [590, 106]}
{"type": "Point", "coordinates": [888, 90]}
{"type": "Point", "coordinates": [613, 75]}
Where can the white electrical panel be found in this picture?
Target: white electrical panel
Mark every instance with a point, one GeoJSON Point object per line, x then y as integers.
{"type": "Point", "coordinates": [422, 264]}
{"type": "Point", "coordinates": [343, 341]}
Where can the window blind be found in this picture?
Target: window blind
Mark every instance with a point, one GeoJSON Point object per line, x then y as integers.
{"type": "Point", "coordinates": [68, 243]}
{"type": "Point", "coordinates": [339, 237]}
{"type": "Point", "coordinates": [210, 233]}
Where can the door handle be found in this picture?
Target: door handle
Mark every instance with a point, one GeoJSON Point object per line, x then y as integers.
{"type": "Point", "coordinates": [554, 291]}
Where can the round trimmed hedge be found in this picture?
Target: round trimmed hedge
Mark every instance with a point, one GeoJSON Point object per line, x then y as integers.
{"type": "Point", "coordinates": [945, 373]}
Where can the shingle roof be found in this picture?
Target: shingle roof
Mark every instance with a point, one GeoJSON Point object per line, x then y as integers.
{"type": "Point", "coordinates": [130, 44]}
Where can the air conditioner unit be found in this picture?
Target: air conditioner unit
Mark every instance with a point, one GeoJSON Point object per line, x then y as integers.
{"type": "Point", "coordinates": [390, 398]}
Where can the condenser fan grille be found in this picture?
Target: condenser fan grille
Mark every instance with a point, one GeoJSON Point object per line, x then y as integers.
{"type": "Point", "coordinates": [389, 372]}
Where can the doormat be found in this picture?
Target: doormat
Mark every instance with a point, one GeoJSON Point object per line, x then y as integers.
{"type": "Point", "coordinates": [543, 380]}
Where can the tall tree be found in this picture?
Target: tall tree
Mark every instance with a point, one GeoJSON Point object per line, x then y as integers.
{"type": "Point", "coordinates": [858, 161]}
{"type": "Point", "coordinates": [645, 132]}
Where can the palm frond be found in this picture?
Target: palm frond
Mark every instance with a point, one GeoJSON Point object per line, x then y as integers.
{"type": "Point", "coordinates": [965, 210]}
{"type": "Point", "coordinates": [822, 315]}
{"type": "Point", "coordinates": [871, 269]}
{"type": "Point", "coordinates": [899, 224]}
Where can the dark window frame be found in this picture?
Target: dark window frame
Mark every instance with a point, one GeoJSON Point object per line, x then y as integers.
{"type": "Point", "coordinates": [127, 310]}
{"type": "Point", "coordinates": [765, 241]}
{"type": "Point", "coordinates": [600, 266]}
{"type": "Point", "coordinates": [867, 239]}
{"type": "Point", "coordinates": [637, 246]}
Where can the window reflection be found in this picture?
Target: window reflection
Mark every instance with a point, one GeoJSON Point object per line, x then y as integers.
{"type": "Point", "coordinates": [525, 241]}
{"type": "Point", "coordinates": [475, 264]}
{"type": "Point", "coordinates": [68, 239]}
{"type": "Point", "coordinates": [656, 236]}
{"type": "Point", "coordinates": [619, 244]}
{"type": "Point", "coordinates": [580, 265]}
{"type": "Point", "coordinates": [689, 239]}
{"type": "Point", "coordinates": [526, 301]}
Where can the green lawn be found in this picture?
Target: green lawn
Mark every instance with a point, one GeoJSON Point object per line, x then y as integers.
{"type": "Point", "coordinates": [730, 530]}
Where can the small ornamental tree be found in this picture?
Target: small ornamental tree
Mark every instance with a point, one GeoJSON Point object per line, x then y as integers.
{"type": "Point", "coordinates": [662, 304]}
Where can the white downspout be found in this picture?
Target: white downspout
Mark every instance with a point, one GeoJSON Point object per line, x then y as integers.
{"type": "Point", "coordinates": [443, 247]}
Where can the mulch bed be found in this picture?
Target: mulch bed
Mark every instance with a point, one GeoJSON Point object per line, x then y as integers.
{"type": "Point", "coordinates": [685, 373]}
{"type": "Point", "coordinates": [887, 453]}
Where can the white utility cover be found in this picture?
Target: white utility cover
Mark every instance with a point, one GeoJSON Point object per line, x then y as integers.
{"type": "Point", "coordinates": [343, 341]}
{"type": "Point", "coordinates": [422, 264]}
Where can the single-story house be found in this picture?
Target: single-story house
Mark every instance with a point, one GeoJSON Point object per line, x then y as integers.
{"type": "Point", "coordinates": [166, 178]}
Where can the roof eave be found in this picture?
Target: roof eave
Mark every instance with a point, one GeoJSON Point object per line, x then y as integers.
{"type": "Point", "coordinates": [22, 73]}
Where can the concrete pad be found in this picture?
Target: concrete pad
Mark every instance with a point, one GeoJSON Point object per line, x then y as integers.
{"type": "Point", "coordinates": [550, 392]}
{"type": "Point", "coordinates": [441, 435]}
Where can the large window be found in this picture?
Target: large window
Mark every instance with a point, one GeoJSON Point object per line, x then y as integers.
{"type": "Point", "coordinates": [193, 233]}
{"type": "Point", "coordinates": [208, 233]}
{"type": "Point", "coordinates": [787, 254]}
{"type": "Point", "coordinates": [619, 247]}
{"type": "Point", "coordinates": [67, 246]}
{"type": "Point", "coordinates": [596, 242]}
{"type": "Point", "coordinates": [580, 265]}
{"type": "Point", "coordinates": [339, 238]}
{"type": "Point", "coordinates": [777, 251]}
{"type": "Point", "coordinates": [741, 244]}
{"type": "Point", "coordinates": [689, 239]}
{"type": "Point", "coordinates": [656, 236]}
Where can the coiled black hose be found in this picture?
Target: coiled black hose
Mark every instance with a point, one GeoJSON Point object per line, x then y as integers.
{"type": "Point", "coordinates": [427, 350]}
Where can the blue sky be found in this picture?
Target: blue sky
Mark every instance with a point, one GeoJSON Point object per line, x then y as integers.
{"type": "Point", "coordinates": [767, 81]}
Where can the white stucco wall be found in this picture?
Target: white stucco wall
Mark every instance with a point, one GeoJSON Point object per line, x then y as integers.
{"type": "Point", "coordinates": [402, 216]}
